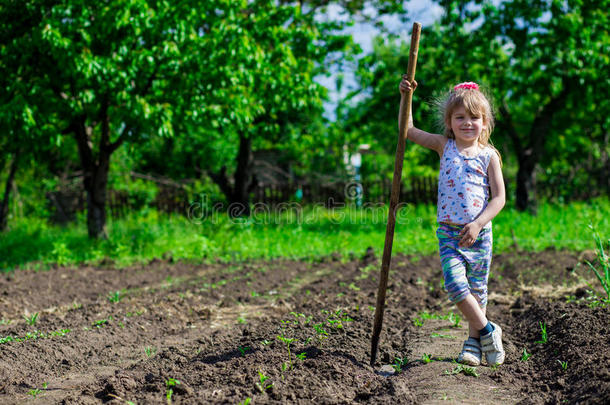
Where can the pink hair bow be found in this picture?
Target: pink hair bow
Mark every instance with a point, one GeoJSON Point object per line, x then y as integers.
{"type": "Point", "coordinates": [467, 85]}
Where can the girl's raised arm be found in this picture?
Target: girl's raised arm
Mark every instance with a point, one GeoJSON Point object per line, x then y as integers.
{"type": "Point", "coordinates": [431, 141]}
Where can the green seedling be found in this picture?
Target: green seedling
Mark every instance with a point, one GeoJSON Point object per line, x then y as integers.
{"type": "Point", "coordinates": [321, 333]}
{"type": "Point", "coordinates": [564, 365]}
{"type": "Point", "coordinates": [31, 320]}
{"type": "Point", "coordinates": [33, 336]}
{"type": "Point", "coordinates": [5, 321]}
{"type": "Point", "coordinates": [115, 296]}
{"type": "Point", "coordinates": [525, 356]}
{"type": "Point", "coordinates": [399, 363]}
{"type": "Point", "coordinates": [246, 401]}
{"type": "Point", "coordinates": [101, 323]}
{"type": "Point", "coordinates": [169, 385]}
{"type": "Point", "coordinates": [543, 336]}
{"type": "Point", "coordinates": [418, 322]}
{"type": "Point", "coordinates": [426, 358]}
{"type": "Point", "coordinates": [337, 319]}
{"type": "Point", "coordinates": [287, 342]}
{"type": "Point", "coordinates": [150, 351]}
{"type": "Point", "coordinates": [242, 320]}
{"type": "Point", "coordinates": [604, 275]}
{"type": "Point", "coordinates": [301, 356]}
{"type": "Point", "coordinates": [438, 335]}
{"type": "Point", "coordinates": [299, 316]}
{"type": "Point", "coordinates": [266, 342]}
{"type": "Point", "coordinates": [243, 350]}
{"type": "Point", "coordinates": [460, 368]}
{"type": "Point", "coordinates": [262, 384]}
{"type": "Point", "coordinates": [34, 392]}
{"type": "Point", "coordinates": [455, 319]}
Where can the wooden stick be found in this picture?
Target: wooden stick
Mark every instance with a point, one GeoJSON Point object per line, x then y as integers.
{"type": "Point", "coordinates": [405, 108]}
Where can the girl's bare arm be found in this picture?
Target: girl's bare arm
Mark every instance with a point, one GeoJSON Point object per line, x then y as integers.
{"type": "Point", "coordinates": [431, 141]}
{"type": "Point", "coordinates": [498, 193]}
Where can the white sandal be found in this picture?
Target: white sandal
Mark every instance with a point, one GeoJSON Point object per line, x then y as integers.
{"type": "Point", "coordinates": [491, 345]}
{"type": "Point", "coordinates": [471, 352]}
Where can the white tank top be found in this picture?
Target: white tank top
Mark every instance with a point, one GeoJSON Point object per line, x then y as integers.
{"type": "Point", "coordinates": [463, 185]}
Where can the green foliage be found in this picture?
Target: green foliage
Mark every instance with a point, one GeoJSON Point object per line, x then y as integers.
{"type": "Point", "coordinates": [33, 336]}
{"type": "Point", "coordinates": [399, 363]}
{"type": "Point", "coordinates": [31, 320]}
{"type": "Point", "coordinates": [543, 335]}
{"type": "Point", "coordinates": [262, 385]}
{"type": "Point", "coordinates": [150, 351]}
{"type": "Point", "coordinates": [603, 275]}
{"type": "Point", "coordinates": [460, 368]}
{"type": "Point", "coordinates": [426, 358]}
{"type": "Point", "coordinates": [170, 384]}
{"type": "Point", "coordinates": [115, 296]}
{"type": "Point", "coordinates": [525, 355]}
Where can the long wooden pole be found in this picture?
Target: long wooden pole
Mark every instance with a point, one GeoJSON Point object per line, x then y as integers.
{"type": "Point", "coordinates": [405, 109]}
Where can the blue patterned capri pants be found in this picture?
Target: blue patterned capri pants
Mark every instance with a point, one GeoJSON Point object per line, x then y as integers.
{"type": "Point", "coordinates": [465, 270]}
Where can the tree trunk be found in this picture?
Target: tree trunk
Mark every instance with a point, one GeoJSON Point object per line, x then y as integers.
{"type": "Point", "coordinates": [96, 181]}
{"type": "Point", "coordinates": [240, 201]}
{"type": "Point", "coordinates": [7, 193]}
{"type": "Point", "coordinates": [529, 152]}
{"type": "Point", "coordinates": [526, 185]}
{"type": "Point", "coordinates": [96, 169]}
{"type": "Point", "coordinates": [238, 194]}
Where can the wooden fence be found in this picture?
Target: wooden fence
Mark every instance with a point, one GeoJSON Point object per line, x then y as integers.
{"type": "Point", "coordinates": [65, 204]}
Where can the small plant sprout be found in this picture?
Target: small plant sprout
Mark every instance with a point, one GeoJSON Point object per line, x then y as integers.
{"type": "Point", "coordinates": [262, 384]}
{"type": "Point", "coordinates": [426, 358]}
{"type": "Point", "coordinates": [525, 356]}
{"type": "Point", "coordinates": [150, 351]}
{"type": "Point", "coordinates": [169, 385]}
{"type": "Point", "coordinates": [543, 336]}
{"type": "Point", "coordinates": [301, 356]}
{"type": "Point", "coordinates": [564, 365]}
{"type": "Point", "coordinates": [246, 401]}
{"type": "Point", "coordinates": [287, 342]}
{"type": "Point", "coordinates": [418, 322]}
{"type": "Point", "coordinates": [460, 368]}
{"type": "Point", "coordinates": [35, 391]}
{"type": "Point", "coordinates": [31, 320]}
{"type": "Point", "coordinates": [399, 363]}
{"type": "Point", "coordinates": [604, 274]}
{"type": "Point", "coordinates": [455, 319]}
{"type": "Point", "coordinates": [114, 297]}
{"type": "Point", "coordinates": [321, 333]}
{"type": "Point", "coordinates": [243, 350]}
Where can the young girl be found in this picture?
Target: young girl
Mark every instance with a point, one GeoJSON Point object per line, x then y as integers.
{"type": "Point", "coordinates": [470, 195]}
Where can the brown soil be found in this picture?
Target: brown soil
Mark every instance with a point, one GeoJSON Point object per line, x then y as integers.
{"type": "Point", "coordinates": [214, 328]}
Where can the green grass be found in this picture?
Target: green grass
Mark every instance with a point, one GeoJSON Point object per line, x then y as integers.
{"type": "Point", "coordinates": [140, 237]}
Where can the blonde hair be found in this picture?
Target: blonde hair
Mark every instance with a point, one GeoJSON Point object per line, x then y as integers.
{"type": "Point", "coordinates": [476, 103]}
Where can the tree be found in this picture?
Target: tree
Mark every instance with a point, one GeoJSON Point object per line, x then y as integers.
{"type": "Point", "coordinates": [257, 87]}
{"type": "Point", "coordinates": [102, 70]}
{"type": "Point", "coordinates": [538, 60]}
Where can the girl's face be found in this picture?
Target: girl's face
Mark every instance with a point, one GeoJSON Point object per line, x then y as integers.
{"type": "Point", "coordinates": [466, 127]}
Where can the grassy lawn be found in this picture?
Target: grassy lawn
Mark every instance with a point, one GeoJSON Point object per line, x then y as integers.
{"type": "Point", "coordinates": [308, 234]}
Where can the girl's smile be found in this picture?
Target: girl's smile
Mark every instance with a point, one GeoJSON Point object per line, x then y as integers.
{"type": "Point", "coordinates": [466, 128]}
